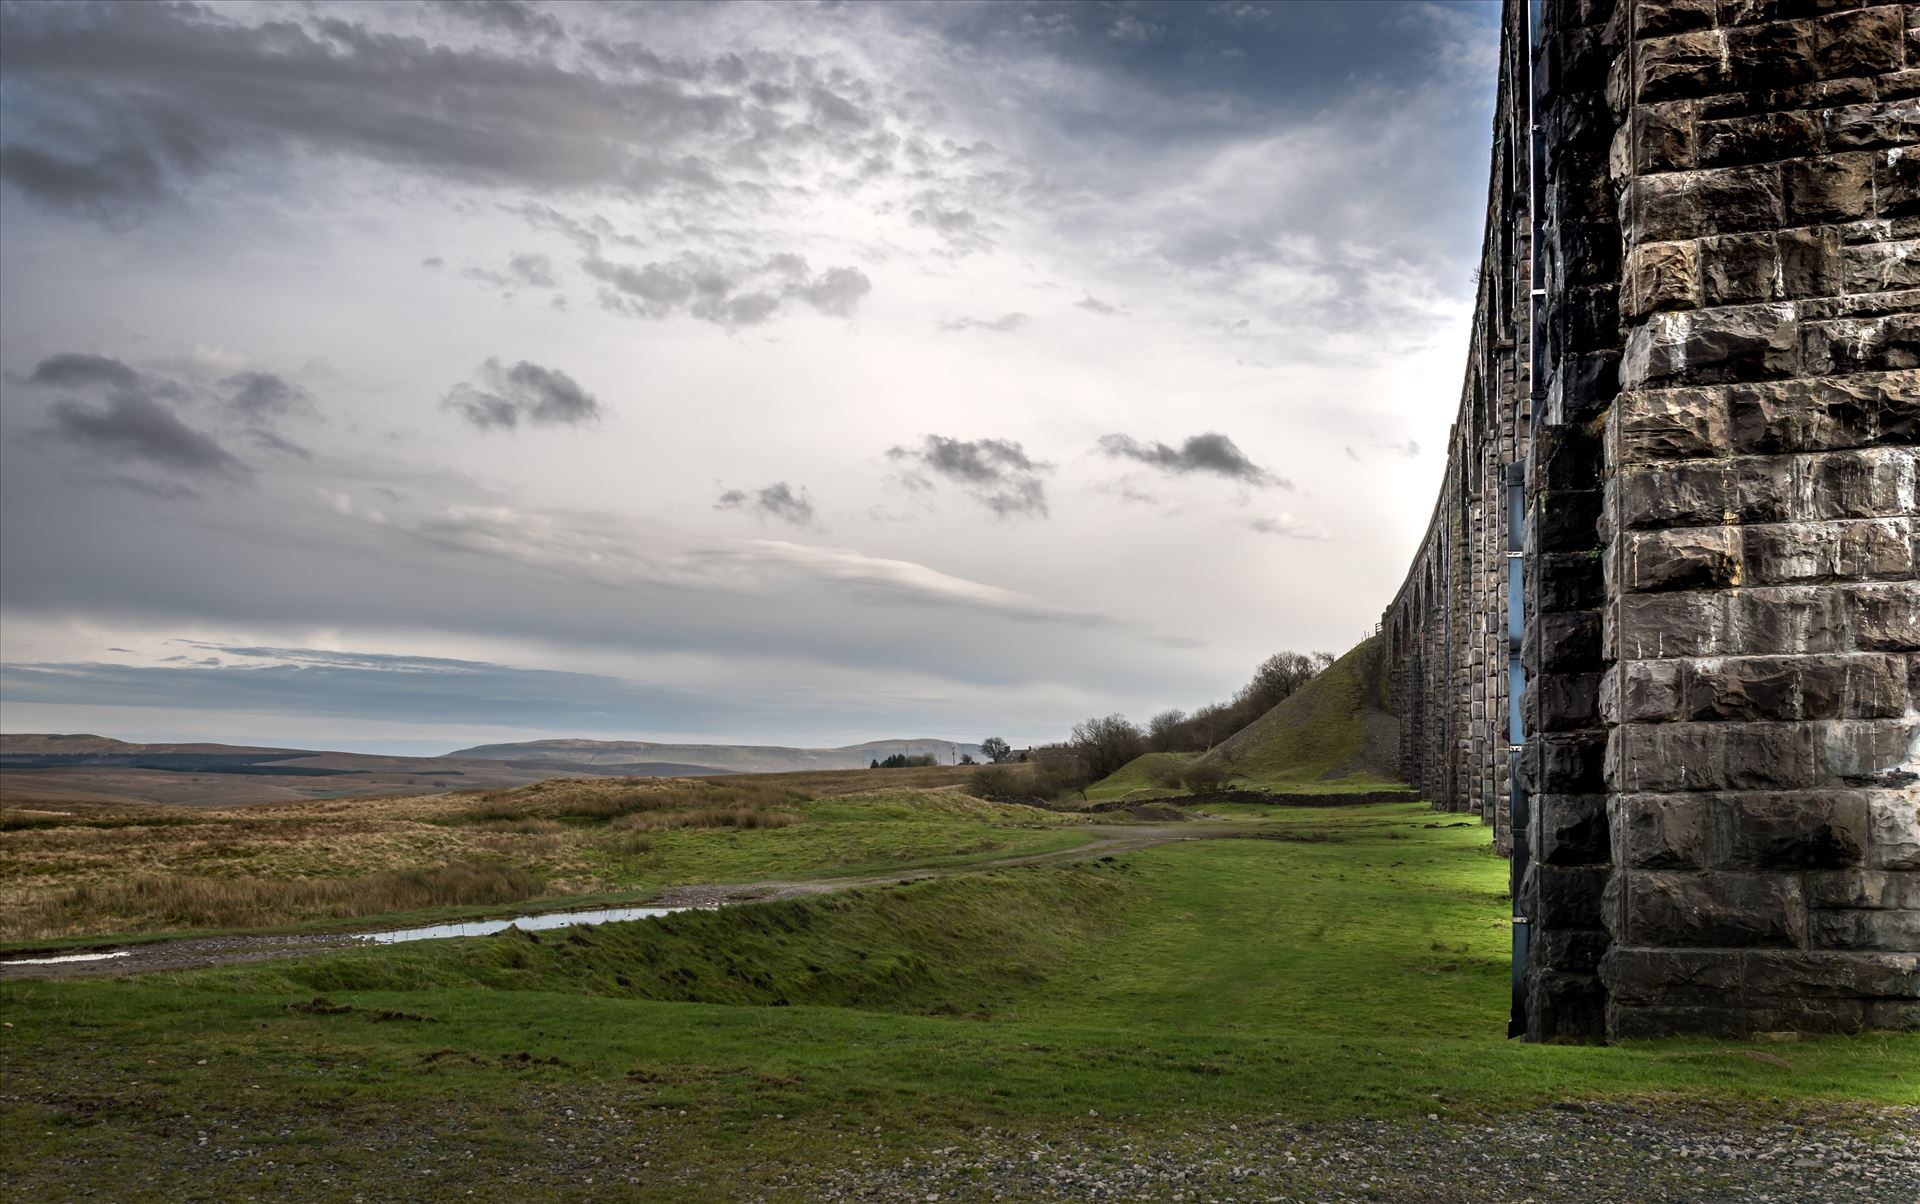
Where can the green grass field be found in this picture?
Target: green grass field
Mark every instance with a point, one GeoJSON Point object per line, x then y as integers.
{"type": "Point", "coordinates": [1329, 963]}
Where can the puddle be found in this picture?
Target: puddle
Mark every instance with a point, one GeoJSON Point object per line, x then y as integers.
{"type": "Point", "coordinates": [552, 919]}
{"type": "Point", "coordinates": [69, 957]}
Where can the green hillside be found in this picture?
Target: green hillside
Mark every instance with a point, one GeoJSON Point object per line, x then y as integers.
{"type": "Point", "coordinates": [1136, 779]}
{"type": "Point", "coordinates": [1317, 739]}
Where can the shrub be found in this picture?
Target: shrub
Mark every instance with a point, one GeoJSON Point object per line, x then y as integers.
{"type": "Point", "coordinates": [1001, 783]}
{"type": "Point", "coordinates": [1203, 776]}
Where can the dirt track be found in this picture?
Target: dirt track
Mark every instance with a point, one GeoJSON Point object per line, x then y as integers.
{"type": "Point", "coordinates": [194, 953]}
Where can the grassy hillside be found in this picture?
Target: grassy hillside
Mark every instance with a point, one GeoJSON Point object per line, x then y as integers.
{"type": "Point", "coordinates": [1336, 963]}
{"type": "Point", "coordinates": [1135, 779]}
{"type": "Point", "coordinates": [1316, 739]}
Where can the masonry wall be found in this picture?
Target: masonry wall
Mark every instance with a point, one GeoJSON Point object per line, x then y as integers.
{"type": "Point", "coordinates": [1710, 406]}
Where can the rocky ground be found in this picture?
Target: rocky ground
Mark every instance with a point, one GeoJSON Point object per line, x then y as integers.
{"type": "Point", "coordinates": [596, 1148]}
{"type": "Point", "coordinates": [1575, 1152]}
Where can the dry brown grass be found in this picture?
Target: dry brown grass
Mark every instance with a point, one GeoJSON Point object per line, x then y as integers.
{"type": "Point", "coordinates": [174, 901]}
{"type": "Point", "coordinates": [79, 868]}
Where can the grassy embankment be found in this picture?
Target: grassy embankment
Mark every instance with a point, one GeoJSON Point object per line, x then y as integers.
{"type": "Point", "coordinates": [75, 870]}
{"type": "Point", "coordinates": [1313, 742]}
{"type": "Point", "coordinates": [1336, 962]}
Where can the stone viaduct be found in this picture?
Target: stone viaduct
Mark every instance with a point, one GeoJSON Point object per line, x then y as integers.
{"type": "Point", "coordinates": [1663, 632]}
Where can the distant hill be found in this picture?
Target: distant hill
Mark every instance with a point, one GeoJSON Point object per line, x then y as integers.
{"type": "Point", "coordinates": [604, 755]}
{"type": "Point", "coordinates": [1334, 731]}
{"type": "Point", "coordinates": [87, 768]}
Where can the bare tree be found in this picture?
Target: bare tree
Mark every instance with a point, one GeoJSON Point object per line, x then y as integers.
{"type": "Point", "coordinates": [1107, 744]}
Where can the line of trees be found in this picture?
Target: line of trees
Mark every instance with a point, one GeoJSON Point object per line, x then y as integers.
{"type": "Point", "coordinates": [1278, 676]}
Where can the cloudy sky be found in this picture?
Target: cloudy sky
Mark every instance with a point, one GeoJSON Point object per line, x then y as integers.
{"type": "Point", "coordinates": [394, 377]}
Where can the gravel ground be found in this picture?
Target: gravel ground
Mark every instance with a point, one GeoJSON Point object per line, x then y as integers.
{"type": "Point", "coordinates": [1574, 1152]}
{"type": "Point", "coordinates": [593, 1146]}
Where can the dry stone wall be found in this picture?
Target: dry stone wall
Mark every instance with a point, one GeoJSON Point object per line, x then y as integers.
{"type": "Point", "coordinates": [1663, 632]}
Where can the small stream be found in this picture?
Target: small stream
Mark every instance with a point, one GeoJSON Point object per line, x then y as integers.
{"type": "Point", "coordinates": [551, 919]}
{"type": "Point", "coordinates": [221, 947]}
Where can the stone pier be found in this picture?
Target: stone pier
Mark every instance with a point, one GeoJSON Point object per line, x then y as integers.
{"type": "Point", "coordinates": [1663, 631]}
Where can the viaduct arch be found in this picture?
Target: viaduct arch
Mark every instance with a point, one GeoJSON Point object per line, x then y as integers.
{"type": "Point", "coordinates": [1663, 630]}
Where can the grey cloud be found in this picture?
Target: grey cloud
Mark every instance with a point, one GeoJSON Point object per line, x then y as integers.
{"type": "Point", "coordinates": [1210, 454]}
{"type": "Point", "coordinates": [961, 228]}
{"type": "Point", "coordinates": [273, 442]}
{"type": "Point", "coordinates": [69, 370]}
{"type": "Point", "coordinates": [114, 109]}
{"type": "Point", "coordinates": [504, 395]}
{"type": "Point", "coordinates": [778, 500]}
{"type": "Point", "coordinates": [727, 294]}
{"type": "Point", "coordinates": [534, 269]}
{"type": "Point", "coordinates": [1000, 325]}
{"type": "Point", "coordinates": [1096, 305]}
{"type": "Point", "coordinates": [1285, 524]}
{"type": "Point", "coordinates": [506, 16]}
{"type": "Point", "coordinates": [433, 263]}
{"type": "Point", "coordinates": [133, 428]}
{"type": "Point", "coordinates": [998, 473]}
{"type": "Point", "coordinates": [263, 396]}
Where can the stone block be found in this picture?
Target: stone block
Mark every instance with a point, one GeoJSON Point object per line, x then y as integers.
{"type": "Point", "coordinates": [1692, 492]}
{"type": "Point", "coordinates": [1876, 266]}
{"type": "Point", "coordinates": [1805, 415]}
{"type": "Point", "coordinates": [1775, 54]}
{"type": "Point", "coordinates": [1649, 691]}
{"type": "Point", "coordinates": [1872, 126]}
{"type": "Point", "coordinates": [1896, 181]}
{"type": "Point", "coordinates": [1660, 831]}
{"type": "Point", "coordinates": [1570, 829]}
{"type": "Point", "coordinates": [1890, 930]}
{"type": "Point", "coordinates": [1860, 889]}
{"type": "Point", "coordinates": [1660, 138]}
{"type": "Point", "coordinates": [1894, 830]}
{"type": "Point", "coordinates": [1870, 483]}
{"type": "Point", "coordinates": [1566, 520]}
{"type": "Point", "coordinates": [1567, 642]}
{"type": "Point", "coordinates": [1863, 42]}
{"type": "Point", "coordinates": [1773, 974]}
{"type": "Point", "coordinates": [1686, 64]}
{"type": "Point", "coordinates": [1877, 344]}
{"type": "Point", "coordinates": [1895, 1014]}
{"type": "Point", "coordinates": [1662, 275]}
{"type": "Point", "coordinates": [1797, 619]}
{"type": "Point", "coordinates": [1845, 549]}
{"type": "Point", "coordinates": [1869, 752]}
{"type": "Point", "coordinates": [1738, 343]}
{"type": "Point", "coordinates": [1764, 490]}
{"type": "Point", "coordinates": [1692, 204]}
{"type": "Point", "coordinates": [1713, 909]}
{"type": "Point", "coordinates": [1565, 1006]}
{"type": "Point", "coordinates": [1736, 269]}
{"type": "Point", "coordinates": [1568, 949]}
{"type": "Point", "coordinates": [1629, 1022]}
{"type": "Point", "coordinates": [1564, 581]}
{"type": "Point", "coordinates": [1838, 188]}
{"type": "Point", "coordinates": [1810, 262]}
{"type": "Point", "coordinates": [1565, 896]}
{"type": "Point", "coordinates": [1652, 18]}
{"type": "Point", "coordinates": [1671, 424]}
{"type": "Point", "coordinates": [1569, 762]}
{"type": "Point", "coordinates": [1760, 138]}
{"type": "Point", "coordinates": [1565, 701]}
{"type": "Point", "coordinates": [1636, 977]}
{"type": "Point", "coordinates": [1684, 558]}
{"type": "Point", "coordinates": [1881, 617]}
{"type": "Point", "coordinates": [1808, 830]}
{"type": "Point", "coordinates": [1651, 626]}
{"type": "Point", "coordinates": [1712, 756]}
